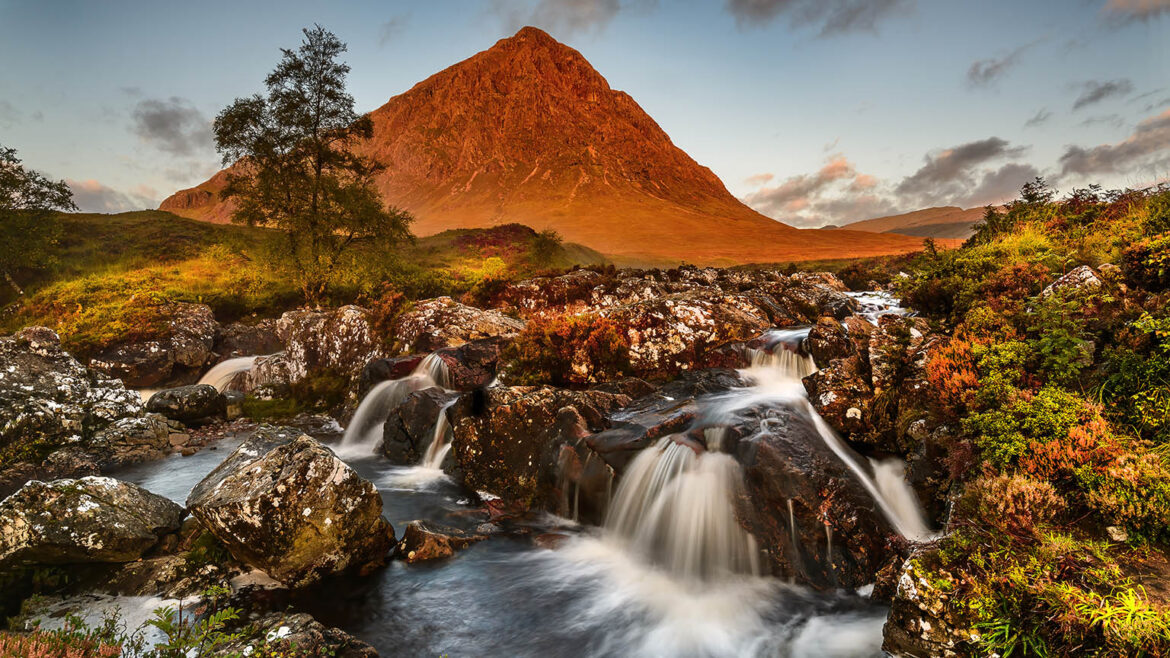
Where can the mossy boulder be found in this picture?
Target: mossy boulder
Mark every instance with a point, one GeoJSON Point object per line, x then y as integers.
{"type": "Point", "coordinates": [189, 404]}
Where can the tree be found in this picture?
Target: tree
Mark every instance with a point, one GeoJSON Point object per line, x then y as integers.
{"type": "Point", "coordinates": [544, 246]}
{"type": "Point", "coordinates": [295, 168]}
{"type": "Point", "coordinates": [28, 226]}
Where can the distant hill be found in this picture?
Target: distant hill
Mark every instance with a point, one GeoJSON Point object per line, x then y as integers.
{"type": "Point", "coordinates": [529, 132]}
{"type": "Point", "coordinates": [942, 222]}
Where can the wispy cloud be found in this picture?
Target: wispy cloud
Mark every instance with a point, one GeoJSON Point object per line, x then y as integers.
{"type": "Point", "coordinates": [985, 72]}
{"type": "Point", "coordinates": [173, 125]}
{"type": "Point", "coordinates": [1040, 118]}
{"type": "Point", "coordinates": [1096, 91]}
{"type": "Point", "coordinates": [1131, 11]}
{"type": "Point", "coordinates": [565, 17]}
{"type": "Point", "coordinates": [828, 17]}
{"type": "Point", "coordinates": [392, 28]}
{"type": "Point", "coordinates": [836, 192]}
{"type": "Point", "coordinates": [1148, 145]}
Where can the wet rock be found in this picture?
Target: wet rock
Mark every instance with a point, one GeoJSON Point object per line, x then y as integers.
{"type": "Point", "coordinates": [828, 340]}
{"type": "Point", "coordinates": [573, 289]}
{"type": "Point", "coordinates": [1078, 280]}
{"type": "Point", "coordinates": [443, 322]}
{"type": "Point", "coordinates": [92, 519]}
{"type": "Point", "coordinates": [508, 440]}
{"type": "Point", "coordinates": [238, 339]}
{"type": "Point", "coordinates": [298, 634]}
{"type": "Point", "coordinates": [337, 341]}
{"type": "Point", "coordinates": [52, 404]}
{"type": "Point", "coordinates": [841, 394]}
{"type": "Point", "coordinates": [186, 348]}
{"type": "Point", "coordinates": [891, 350]}
{"type": "Point", "coordinates": [233, 405]}
{"type": "Point", "coordinates": [385, 369]}
{"type": "Point", "coordinates": [472, 364]}
{"type": "Point", "coordinates": [190, 404]}
{"type": "Point", "coordinates": [797, 485]}
{"type": "Point", "coordinates": [922, 621]}
{"type": "Point", "coordinates": [668, 410]}
{"type": "Point", "coordinates": [424, 540]}
{"type": "Point", "coordinates": [409, 429]}
{"type": "Point", "coordinates": [285, 504]}
{"type": "Point", "coordinates": [130, 441]}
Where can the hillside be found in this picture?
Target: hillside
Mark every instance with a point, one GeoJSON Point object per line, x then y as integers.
{"type": "Point", "coordinates": [943, 222]}
{"type": "Point", "coordinates": [528, 132]}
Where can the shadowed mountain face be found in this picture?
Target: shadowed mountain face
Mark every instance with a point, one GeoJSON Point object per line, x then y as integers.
{"type": "Point", "coordinates": [527, 131]}
{"type": "Point", "coordinates": [947, 222]}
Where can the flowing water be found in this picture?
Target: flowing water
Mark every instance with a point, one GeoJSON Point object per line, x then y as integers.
{"type": "Point", "coordinates": [364, 433]}
{"type": "Point", "coordinates": [670, 574]}
{"type": "Point", "coordinates": [223, 374]}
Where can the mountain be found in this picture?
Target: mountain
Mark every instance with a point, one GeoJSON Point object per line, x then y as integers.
{"type": "Point", "coordinates": [527, 131]}
{"type": "Point", "coordinates": [943, 222]}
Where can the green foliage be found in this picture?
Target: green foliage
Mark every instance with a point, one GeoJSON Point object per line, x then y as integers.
{"type": "Point", "coordinates": [565, 350]}
{"type": "Point", "coordinates": [295, 168]}
{"type": "Point", "coordinates": [28, 226]}
{"type": "Point", "coordinates": [202, 636]}
{"type": "Point", "coordinates": [545, 246]}
{"type": "Point", "coordinates": [1137, 389]}
{"type": "Point", "coordinates": [260, 410]}
{"type": "Point", "coordinates": [1060, 346]}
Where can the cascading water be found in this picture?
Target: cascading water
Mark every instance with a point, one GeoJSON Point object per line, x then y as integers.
{"type": "Point", "coordinates": [364, 433]}
{"type": "Point", "coordinates": [777, 376]}
{"type": "Point", "coordinates": [440, 446]}
{"type": "Point", "coordinates": [224, 373]}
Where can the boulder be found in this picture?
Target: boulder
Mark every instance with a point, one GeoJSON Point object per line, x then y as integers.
{"type": "Point", "coordinates": [188, 404]}
{"type": "Point", "coordinates": [1080, 279]}
{"type": "Point", "coordinates": [276, 634]}
{"type": "Point", "coordinates": [50, 403]}
{"type": "Point", "coordinates": [130, 441]}
{"type": "Point", "coordinates": [828, 340]}
{"type": "Point", "coordinates": [339, 341]}
{"type": "Point", "coordinates": [841, 394]}
{"type": "Point", "coordinates": [443, 322]}
{"type": "Point", "coordinates": [508, 441]}
{"type": "Point", "coordinates": [184, 349]}
{"type": "Point", "coordinates": [238, 339]}
{"type": "Point", "coordinates": [473, 364]}
{"type": "Point", "coordinates": [92, 519]}
{"type": "Point", "coordinates": [922, 622]}
{"type": "Point", "coordinates": [565, 291]}
{"type": "Point", "coordinates": [410, 428]}
{"type": "Point", "coordinates": [385, 369]}
{"type": "Point", "coordinates": [295, 510]}
{"type": "Point", "coordinates": [797, 485]}
{"type": "Point", "coordinates": [424, 540]}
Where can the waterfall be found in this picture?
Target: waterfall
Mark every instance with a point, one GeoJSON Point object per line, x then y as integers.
{"type": "Point", "coordinates": [364, 433]}
{"type": "Point", "coordinates": [674, 507]}
{"type": "Point", "coordinates": [777, 376]}
{"type": "Point", "coordinates": [224, 373]}
{"type": "Point", "coordinates": [440, 446]}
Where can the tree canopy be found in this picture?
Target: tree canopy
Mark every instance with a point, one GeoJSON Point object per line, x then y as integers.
{"type": "Point", "coordinates": [28, 205]}
{"type": "Point", "coordinates": [294, 167]}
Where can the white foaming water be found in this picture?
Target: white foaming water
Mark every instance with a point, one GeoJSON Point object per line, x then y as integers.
{"type": "Point", "coordinates": [364, 433]}
{"type": "Point", "coordinates": [440, 446]}
{"type": "Point", "coordinates": [777, 378]}
{"type": "Point", "coordinates": [674, 508]}
{"type": "Point", "coordinates": [224, 373]}
{"type": "Point", "coordinates": [874, 304]}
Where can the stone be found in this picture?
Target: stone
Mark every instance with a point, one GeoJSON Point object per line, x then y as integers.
{"type": "Point", "coordinates": [276, 634]}
{"type": "Point", "coordinates": [189, 404]}
{"type": "Point", "coordinates": [92, 519]}
{"type": "Point", "coordinates": [1080, 279]}
{"type": "Point", "coordinates": [238, 339]}
{"type": "Point", "coordinates": [922, 623]}
{"type": "Point", "coordinates": [185, 348]}
{"type": "Point", "coordinates": [431, 324]}
{"type": "Point", "coordinates": [424, 540]}
{"type": "Point", "coordinates": [409, 429]}
{"type": "Point", "coordinates": [828, 340]}
{"type": "Point", "coordinates": [285, 504]}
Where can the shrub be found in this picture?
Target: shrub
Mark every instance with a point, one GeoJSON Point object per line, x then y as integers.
{"type": "Point", "coordinates": [1137, 388]}
{"type": "Point", "coordinates": [569, 350]}
{"type": "Point", "coordinates": [1015, 503]}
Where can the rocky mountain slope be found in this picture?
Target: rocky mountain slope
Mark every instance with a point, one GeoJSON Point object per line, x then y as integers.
{"type": "Point", "coordinates": [529, 132]}
{"type": "Point", "coordinates": [942, 222]}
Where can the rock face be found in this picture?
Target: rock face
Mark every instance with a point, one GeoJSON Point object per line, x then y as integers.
{"type": "Point", "coordinates": [61, 419]}
{"type": "Point", "coordinates": [239, 339]}
{"type": "Point", "coordinates": [187, 348]}
{"type": "Point", "coordinates": [92, 519]}
{"type": "Point", "coordinates": [525, 445]}
{"type": "Point", "coordinates": [443, 322]}
{"type": "Point", "coordinates": [423, 540]}
{"type": "Point", "coordinates": [1080, 278]}
{"type": "Point", "coordinates": [336, 342]}
{"type": "Point", "coordinates": [922, 622]}
{"type": "Point", "coordinates": [197, 402]}
{"type": "Point", "coordinates": [287, 505]}
{"type": "Point", "coordinates": [409, 430]}
{"type": "Point", "coordinates": [295, 635]}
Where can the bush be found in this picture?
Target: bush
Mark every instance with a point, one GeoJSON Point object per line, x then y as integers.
{"type": "Point", "coordinates": [566, 350]}
{"type": "Point", "coordinates": [1015, 504]}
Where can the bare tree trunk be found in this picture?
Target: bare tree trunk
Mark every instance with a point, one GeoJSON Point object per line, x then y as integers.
{"type": "Point", "coordinates": [12, 283]}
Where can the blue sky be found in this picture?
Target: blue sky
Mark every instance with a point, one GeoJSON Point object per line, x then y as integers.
{"type": "Point", "coordinates": [813, 111]}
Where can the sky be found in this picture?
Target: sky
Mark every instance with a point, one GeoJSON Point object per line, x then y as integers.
{"type": "Point", "coordinates": [812, 111]}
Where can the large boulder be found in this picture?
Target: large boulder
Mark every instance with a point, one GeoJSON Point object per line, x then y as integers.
{"type": "Point", "coordinates": [923, 621]}
{"type": "Point", "coordinates": [443, 322]}
{"type": "Point", "coordinates": [521, 443]}
{"type": "Point", "coordinates": [285, 504]}
{"type": "Point", "coordinates": [93, 519]}
{"type": "Point", "coordinates": [276, 634]}
{"type": "Point", "coordinates": [828, 340]}
{"type": "Point", "coordinates": [53, 411]}
{"type": "Point", "coordinates": [184, 349]}
{"type": "Point", "coordinates": [573, 289]}
{"type": "Point", "coordinates": [410, 428]}
{"type": "Point", "coordinates": [188, 404]}
{"type": "Point", "coordinates": [1082, 278]}
{"type": "Point", "coordinates": [238, 339]}
{"type": "Point", "coordinates": [842, 395]}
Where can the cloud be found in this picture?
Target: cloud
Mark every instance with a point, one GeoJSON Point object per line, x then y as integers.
{"type": "Point", "coordinates": [9, 115]}
{"type": "Point", "coordinates": [998, 185]}
{"type": "Point", "coordinates": [173, 125]}
{"type": "Point", "coordinates": [1149, 145]}
{"type": "Point", "coordinates": [830, 17]}
{"type": "Point", "coordinates": [1114, 120]}
{"type": "Point", "coordinates": [392, 28]}
{"type": "Point", "coordinates": [758, 179]}
{"type": "Point", "coordinates": [952, 172]}
{"type": "Point", "coordinates": [92, 196]}
{"type": "Point", "coordinates": [1040, 118]}
{"type": "Point", "coordinates": [1095, 91]}
{"type": "Point", "coordinates": [836, 192]}
{"type": "Point", "coordinates": [1130, 11]}
{"type": "Point", "coordinates": [565, 17]}
{"type": "Point", "coordinates": [986, 71]}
